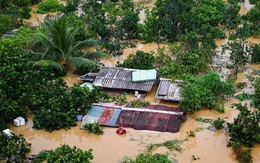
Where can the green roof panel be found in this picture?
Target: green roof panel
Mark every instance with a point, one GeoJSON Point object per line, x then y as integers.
{"type": "Point", "coordinates": [144, 75]}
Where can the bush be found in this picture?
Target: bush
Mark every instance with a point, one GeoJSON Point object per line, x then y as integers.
{"type": "Point", "coordinates": [65, 153]}
{"type": "Point", "coordinates": [245, 130]}
{"type": "Point", "coordinates": [25, 12]}
{"type": "Point", "coordinates": [203, 91]}
{"type": "Point", "coordinates": [138, 103]}
{"type": "Point", "coordinates": [218, 124]}
{"type": "Point", "coordinates": [255, 53]}
{"type": "Point", "coordinates": [14, 148]}
{"type": "Point", "coordinates": [140, 60]}
{"type": "Point", "coordinates": [256, 96]}
{"type": "Point", "coordinates": [94, 128]}
{"type": "Point", "coordinates": [118, 99]}
{"type": "Point", "coordinates": [49, 6]}
{"type": "Point", "coordinates": [149, 158]}
{"type": "Point", "coordinates": [7, 22]}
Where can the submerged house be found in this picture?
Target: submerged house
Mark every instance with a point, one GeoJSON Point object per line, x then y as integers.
{"type": "Point", "coordinates": [169, 90]}
{"type": "Point", "coordinates": [152, 117]}
{"type": "Point", "coordinates": [125, 78]}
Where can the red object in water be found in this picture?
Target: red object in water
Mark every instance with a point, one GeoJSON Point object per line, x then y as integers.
{"type": "Point", "coordinates": [121, 131]}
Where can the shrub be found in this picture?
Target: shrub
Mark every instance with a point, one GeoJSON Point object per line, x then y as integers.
{"type": "Point", "coordinates": [255, 53]}
{"type": "Point", "coordinates": [256, 96]}
{"type": "Point", "coordinates": [7, 22]}
{"type": "Point", "coordinates": [118, 99]}
{"type": "Point", "coordinates": [25, 12]}
{"type": "Point", "coordinates": [218, 124]}
{"type": "Point", "coordinates": [94, 128]}
{"type": "Point", "coordinates": [245, 130]}
{"type": "Point", "coordinates": [203, 91]}
{"type": "Point", "coordinates": [13, 148]}
{"type": "Point", "coordinates": [65, 153]}
{"type": "Point", "coordinates": [140, 60]}
{"type": "Point", "coordinates": [138, 103]}
{"type": "Point", "coordinates": [144, 157]}
{"type": "Point", "coordinates": [49, 6]}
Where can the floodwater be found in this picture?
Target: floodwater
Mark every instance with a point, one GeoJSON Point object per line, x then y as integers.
{"type": "Point", "coordinates": [37, 19]}
{"type": "Point", "coordinates": [207, 146]}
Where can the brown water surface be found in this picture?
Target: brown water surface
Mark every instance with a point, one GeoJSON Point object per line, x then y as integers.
{"type": "Point", "coordinates": [208, 146]}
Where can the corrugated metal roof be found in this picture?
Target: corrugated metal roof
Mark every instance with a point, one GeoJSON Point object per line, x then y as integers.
{"type": "Point", "coordinates": [120, 78]}
{"type": "Point", "coordinates": [143, 75]}
{"type": "Point", "coordinates": [152, 117]}
{"type": "Point", "coordinates": [169, 90]}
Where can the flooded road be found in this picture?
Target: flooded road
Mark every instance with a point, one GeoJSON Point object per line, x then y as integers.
{"type": "Point", "coordinates": [207, 146]}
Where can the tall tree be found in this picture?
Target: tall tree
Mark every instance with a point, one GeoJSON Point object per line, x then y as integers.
{"type": "Point", "coordinates": [60, 48]}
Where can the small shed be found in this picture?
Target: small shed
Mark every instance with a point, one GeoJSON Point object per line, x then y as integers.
{"type": "Point", "coordinates": [89, 77]}
{"type": "Point", "coordinates": [169, 90]}
{"type": "Point", "coordinates": [122, 78]}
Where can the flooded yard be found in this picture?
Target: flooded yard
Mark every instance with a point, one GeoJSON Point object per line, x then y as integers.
{"type": "Point", "coordinates": [207, 146]}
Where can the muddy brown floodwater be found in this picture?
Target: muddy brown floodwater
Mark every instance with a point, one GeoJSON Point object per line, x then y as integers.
{"type": "Point", "coordinates": [208, 146]}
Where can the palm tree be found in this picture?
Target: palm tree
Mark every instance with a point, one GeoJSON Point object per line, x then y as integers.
{"type": "Point", "coordinates": [61, 50]}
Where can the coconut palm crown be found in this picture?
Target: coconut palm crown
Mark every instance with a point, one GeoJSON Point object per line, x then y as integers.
{"type": "Point", "coordinates": [60, 49]}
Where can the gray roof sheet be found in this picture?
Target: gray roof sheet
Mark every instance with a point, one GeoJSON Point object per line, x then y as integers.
{"type": "Point", "coordinates": [120, 78]}
{"type": "Point", "coordinates": [169, 90]}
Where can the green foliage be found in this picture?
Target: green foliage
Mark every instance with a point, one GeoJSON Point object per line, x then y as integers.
{"type": "Point", "coordinates": [191, 134]}
{"type": "Point", "coordinates": [55, 110]}
{"type": "Point", "coordinates": [7, 22]}
{"type": "Point", "coordinates": [202, 92]}
{"type": "Point", "coordinates": [15, 80]}
{"type": "Point", "coordinates": [61, 51]}
{"type": "Point", "coordinates": [94, 128]}
{"type": "Point", "coordinates": [218, 124]}
{"type": "Point", "coordinates": [255, 53]}
{"type": "Point", "coordinates": [238, 52]}
{"type": "Point", "coordinates": [138, 103]}
{"type": "Point", "coordinates": [140, 60]}
{"type": "Point", "coordinates": [118, 99]}
{"type": "Point", "coordinates": [71, 6]}
{"type": "Point", "coordinates": [192, 62]}
{"type": "Point", "coordinates": [25, 12]}
{"type": "Point", "coordinates": [232, 17]}
{"type": "Point", "coordinates": [205, 120]}
{"type": "Point", "coordinates": [256, 96]}
{"type": "Point", "coordinates": [157, 158]}
{"type": "Point", "coordinates": [244, 96]}
{"type": "Point", "coordinates": [65, 153]}
{"type": "Point", "coordinates": [145, 157]}
{"type": "Point", "coordinates": [129, 23]}
{"type": "Point", "coordinates": [245, 130]}
{"type": "Point", "coordinates": [171, 145]}
{"type": "Point", "coordinates": [13, 148]}
{"type": "Point", "coordinates": [243, 155]}
{"type": "Point", "coordinates": [241, 85]}
{"type": "Point", "coordinates": [80, 98]}
{"type": "Point", "coordinates": [49, 6]}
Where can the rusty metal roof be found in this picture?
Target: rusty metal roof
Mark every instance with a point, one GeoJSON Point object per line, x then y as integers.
{"type": "Point", "coordinates": [120, 78]}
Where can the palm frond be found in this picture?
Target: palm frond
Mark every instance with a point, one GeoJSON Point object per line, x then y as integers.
{"type": "Point", "coordinates": [85, 44]}
{"type": "Point", "coordinates": [47, 42]}
{"type": "Point", "coordinates": [95, 55]}
{"type": "Point", "coordinates": [81, 62]}
{"type": "Point", "coordinates": [36, 56]}
{"type": "Point", "coordinates": [49, 63]}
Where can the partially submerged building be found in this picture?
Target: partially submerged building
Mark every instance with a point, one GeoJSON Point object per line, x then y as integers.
{"type": "Point", "coordinates": [125, 78]}
{"type": "Point", "coordinates": [152, 117]}
{"type": "Point", "coordinates": [169, 90]}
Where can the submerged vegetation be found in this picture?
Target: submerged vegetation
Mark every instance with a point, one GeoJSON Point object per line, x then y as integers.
{"type": "Point", "coordinates": [65, 153]}
{"type": "Point", "coordinates": [32, 59]}
{"type": "Point", "coordinates": [14, 148]}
